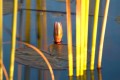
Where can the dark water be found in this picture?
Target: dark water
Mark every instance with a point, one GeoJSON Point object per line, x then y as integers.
{"type": "Point", "coordinates": [111, 53]}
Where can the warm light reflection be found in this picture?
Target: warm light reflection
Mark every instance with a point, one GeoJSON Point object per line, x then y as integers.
{"type": "Point", "coordinates": [78, 37]}
{"type": "Point", "coordinates": [85, 75]}
{"type": "Point", "coordinates": [13, 42]}
{"type": "Point", "coordinates": [92, 75]}
{"type": "Point", "coordinates": [81, 78]}
{"type": "Point", "coordinates": [77, 78]}
{"type": "Point", "coordinates": [99, 74]}
{"type": "Point", "coordinates": [103, 33]}
{"type": "Point", "coordinates": [69, 37]}
{"type": "Point", "coordinates": [94, 34]}
{"type": "Point", "coordinates": [1, 33]}
{"type": "Point", "coordinates": [70, 78]}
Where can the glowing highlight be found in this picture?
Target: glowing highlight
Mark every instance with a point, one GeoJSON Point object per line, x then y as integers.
{"type": "Point", "coordinates": [103, 33]}
{"type": "Point", "coordinates": [94, 34]}
{"type": "Point", "coordinates": [86, 32]}
{"type": "Point", "coordinates": [99, 74]}
{"type": "Point", "coordinates": [13, 42]}
{"type": "Point", "coordinates": [69, 37]}
{"type": "Point", "coordinates": [78, 36]}
{"type": "Point", "coordinates": [1, 37]}
{"type": "Point", "coordinates": [82, 27]}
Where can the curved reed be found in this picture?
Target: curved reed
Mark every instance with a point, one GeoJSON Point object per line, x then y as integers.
{"type": "Point", "coordinates": [41, 54]}
{"type": "Point", "coordinates": [4, 71]}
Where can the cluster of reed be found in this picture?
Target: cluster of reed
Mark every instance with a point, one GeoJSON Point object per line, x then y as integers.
{"type": "Point", "coordinates": [82, 16]}
{"type": "Point", "coordinates": [92, 76]}
{"type": "Point", "coordinates": [82, 19]}
{"type": "Point", "coordinates": [13, 41]}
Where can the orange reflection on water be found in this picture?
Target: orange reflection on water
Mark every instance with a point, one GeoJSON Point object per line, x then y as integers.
{"type": "Point", "coordinates": [89, 75]}
{"type": "Point", "coordinates": [92, 75]}
{"type": "Point", "coordinates": [99, 74]}
{"type": "Point", "coordinates": [70, 78]}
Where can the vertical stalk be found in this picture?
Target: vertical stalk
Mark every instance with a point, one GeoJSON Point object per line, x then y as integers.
{"type": "Point", "coordinates": [69, 37]}
{"type": "Point", "coordinates": [86, 32]}
{"type": "Point", "coordinates": [78, 35]}
{"type": "Point", "coordinates": [19, 75]}
{"type": "Point", "coordinates": [38, 20]}
{"type": "Point", "coordinates": [20, 24]}
{"type": "Point", "coordinates": [39, 33]}
{"type": "Point", "coordinates": [28, 25]}
{"type": "Point", "coordinates": [82, 27]}
{"type": "Point", "coordinates": [103, 33]}
{"type": "Point", "coordinates": [28, 21]}
{"type": "Point", "coordinates": [1, 37]}
{"type": "Point", "coordinates": [44, 24]}
{"type": "Point", "coordinates": [13, 42]}
{"type": "Point", "coordinates": [94, 34]}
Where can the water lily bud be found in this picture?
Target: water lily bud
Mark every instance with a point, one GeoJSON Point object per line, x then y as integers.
{"type": "Point", "coordinates": [58, 32]}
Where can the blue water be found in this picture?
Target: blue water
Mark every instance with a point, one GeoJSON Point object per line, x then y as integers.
{"type": "Point", "coordinates": [110, 65]}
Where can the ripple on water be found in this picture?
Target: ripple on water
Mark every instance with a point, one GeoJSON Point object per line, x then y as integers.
{"type": "Point", "coordinates": [117, 19]}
